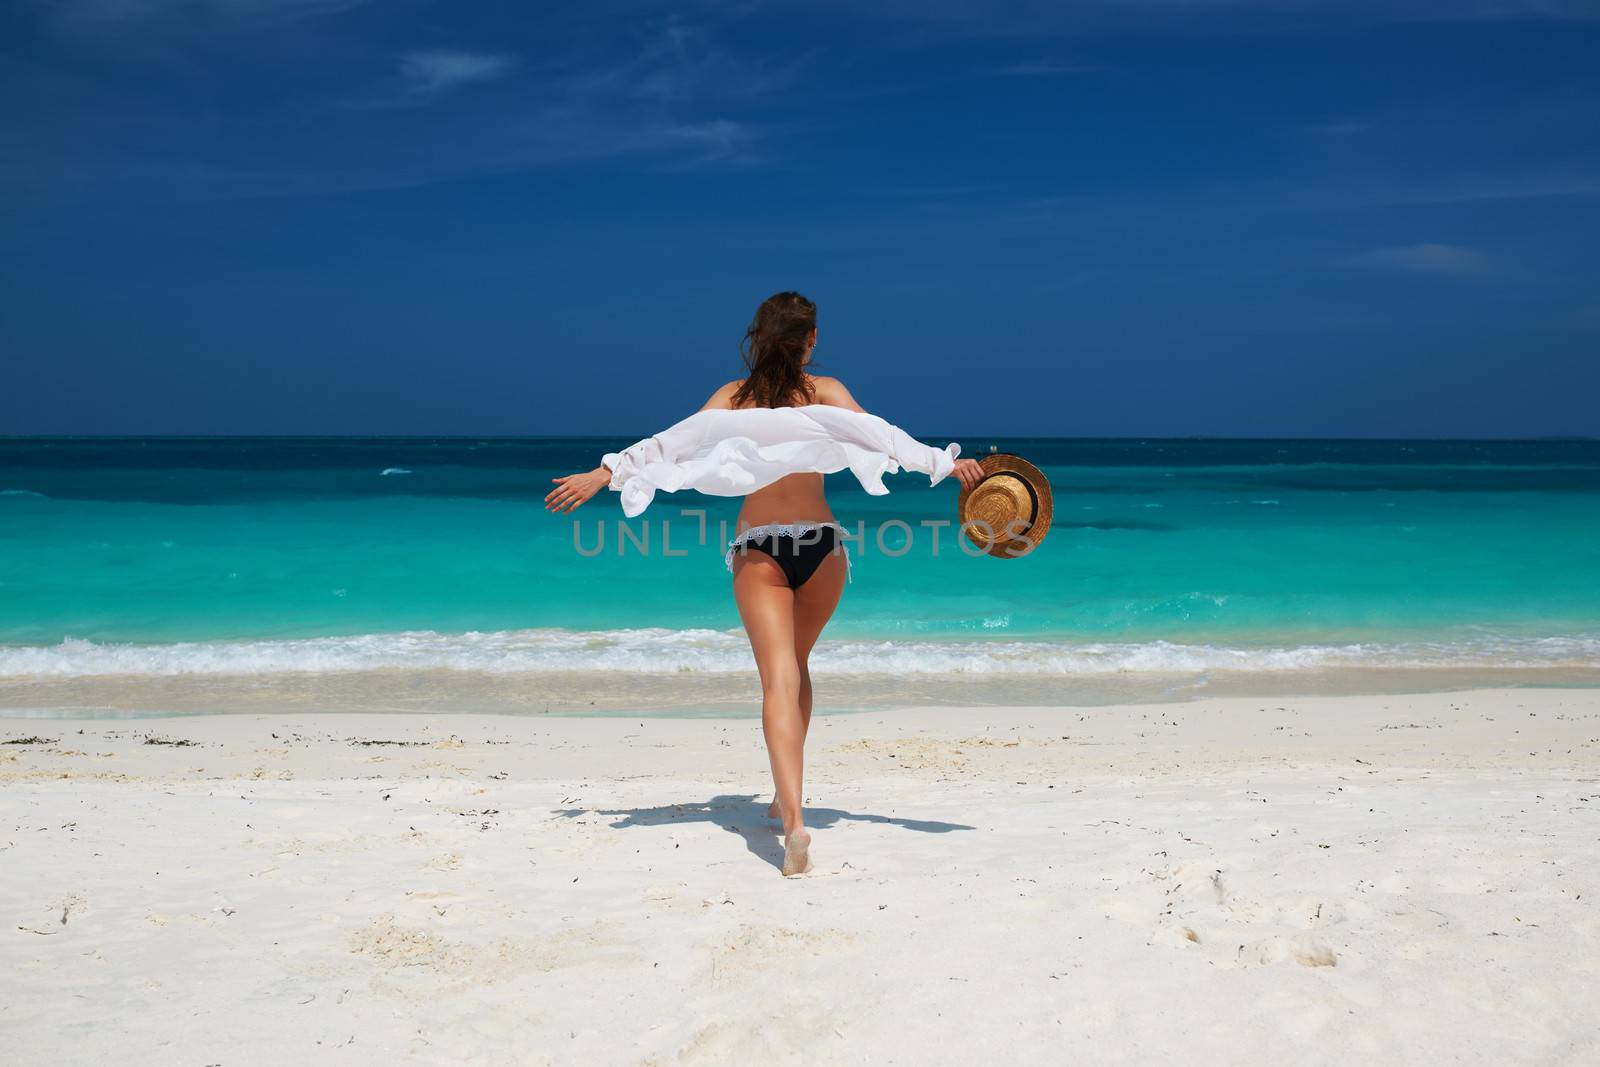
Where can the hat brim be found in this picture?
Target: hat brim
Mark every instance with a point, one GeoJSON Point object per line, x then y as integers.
{"type": "Point", "coordinates": [1044, 508]}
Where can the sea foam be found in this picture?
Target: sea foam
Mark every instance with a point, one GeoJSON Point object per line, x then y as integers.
{"type": "Point", "coordinates": [662, 651]}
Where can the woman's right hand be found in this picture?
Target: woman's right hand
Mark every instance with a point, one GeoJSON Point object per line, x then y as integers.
{"type": "Point", "coordinates": [573, 490]}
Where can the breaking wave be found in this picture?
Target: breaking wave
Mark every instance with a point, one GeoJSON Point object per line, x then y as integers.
{"type": "Point", "coordinates": [662, 651]}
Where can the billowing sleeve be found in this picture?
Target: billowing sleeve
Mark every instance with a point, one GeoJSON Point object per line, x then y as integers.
{"type": "Point", "coordinates": [671, 445]}
{"type": "Point", "coordinates": [879, 447]}
{"type": "Point", "coordinates": [655, 462]}
{"type": "Point", "coordinates": [912, 454]}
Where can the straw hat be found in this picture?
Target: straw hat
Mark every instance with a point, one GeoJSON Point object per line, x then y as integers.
{"type": "Point", "coordinates": [1008, 513]}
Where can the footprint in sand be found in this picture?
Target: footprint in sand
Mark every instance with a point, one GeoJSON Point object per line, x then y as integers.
{"type": "Point", "coordinates": [775, 1038]}
{"type": "Point", "coordinates": [712, 1043]}
{"type": "Point", "coordinates": [758, 947]}
{"type": "Point", "coordinates": [1301, 949]}
{"type": "Point", "coordinates": [396, 948]}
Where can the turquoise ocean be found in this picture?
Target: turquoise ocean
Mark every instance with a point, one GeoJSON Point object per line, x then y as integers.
{"type": "Point", "coordinates": [126, 561]}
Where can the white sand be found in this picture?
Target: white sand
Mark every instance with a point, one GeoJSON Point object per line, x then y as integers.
{"type": "Point", "coordinates": [1388, 880]}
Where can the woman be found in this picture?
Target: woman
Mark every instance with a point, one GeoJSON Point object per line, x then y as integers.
{"type": "Point", "coordinates": [771, 437]}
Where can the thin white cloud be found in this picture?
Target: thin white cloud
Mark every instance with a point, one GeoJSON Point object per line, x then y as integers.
{"type": "Point", "coordinates": [429, 73]}
{"type": "Point", "coordinates": [680, 62]}
{"type": "Point", "coordinates": [716, 140]}
{"type": "Point", "coordinates": [1433, 259]}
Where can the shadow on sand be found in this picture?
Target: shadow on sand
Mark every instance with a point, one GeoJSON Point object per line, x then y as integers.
{"type": "Point", "coordinates": [747, 817]}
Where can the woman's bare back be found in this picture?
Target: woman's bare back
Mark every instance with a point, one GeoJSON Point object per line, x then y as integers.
{"type": "Point", "coordinates": [794, 497]}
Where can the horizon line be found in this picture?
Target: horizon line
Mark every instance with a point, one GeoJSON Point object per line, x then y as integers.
{"type": "Point", "coordinates": [22, 438]}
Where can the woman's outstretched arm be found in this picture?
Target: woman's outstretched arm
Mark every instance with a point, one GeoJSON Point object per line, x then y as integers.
{"type": "Point", "coordinates": [574, 490]}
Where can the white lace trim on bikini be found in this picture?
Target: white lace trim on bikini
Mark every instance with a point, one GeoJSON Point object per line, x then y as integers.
{"type": "Point", "coordinates": [797, 530]}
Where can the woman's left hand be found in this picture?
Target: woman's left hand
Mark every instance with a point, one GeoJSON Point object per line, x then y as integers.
{"type": "Point", "coordinates": [968, 472]}
{"type": "Point", "coordinates": [573, 490]}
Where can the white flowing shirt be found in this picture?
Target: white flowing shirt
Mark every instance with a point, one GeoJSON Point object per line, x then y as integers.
{"type": "Point", "coordinates": [734, 452]}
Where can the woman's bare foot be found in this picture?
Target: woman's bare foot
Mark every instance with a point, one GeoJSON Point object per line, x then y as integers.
{"type": "Point", "coordinates": [797, 853]}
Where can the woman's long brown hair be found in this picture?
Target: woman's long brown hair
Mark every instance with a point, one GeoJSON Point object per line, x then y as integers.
{"type": "Point", "coordinates": [774, 348]}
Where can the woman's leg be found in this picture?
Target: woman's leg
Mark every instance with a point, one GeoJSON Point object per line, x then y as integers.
{"type": "Point", "coordinates": [814, 604]}
{"type": "Point", "coordinates": [766, 605]}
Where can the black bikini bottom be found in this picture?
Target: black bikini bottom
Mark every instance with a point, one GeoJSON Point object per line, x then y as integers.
{"type": "Point", "coordinates": [798, 555]}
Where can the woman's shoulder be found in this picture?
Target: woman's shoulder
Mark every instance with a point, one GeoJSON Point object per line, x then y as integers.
{"type": "Point", "coordinates": [723, 397]}
{"type": "Point", "coordinates": [831, 391]}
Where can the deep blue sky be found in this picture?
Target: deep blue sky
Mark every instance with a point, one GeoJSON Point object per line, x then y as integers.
{"type": "Point", "coordinates": [1257, 217]}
